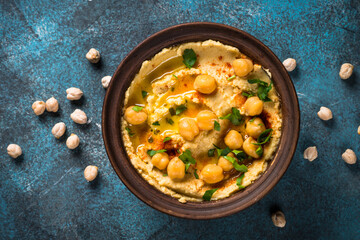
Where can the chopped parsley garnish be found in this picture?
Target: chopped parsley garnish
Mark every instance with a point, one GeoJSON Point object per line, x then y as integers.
{"type": "Point", "coordinates": [189, 57]}
{"type": "Point", "coordinates": [144, 93]}
{"type": "Point", "coordinates": [237, 166]}
{"type": "Point", "coordinates": [150, 140]}
{"type": "Point", "coordinates": [175, 76]}
{"type": "Point", "coordinates": [167, 139]}
{"type": "Point", "coordinates": [222, 152]}
{"type": "Point", "coordinates": [187, 159]}
{"type": "Point", "coordinates": [252, 120]}
{"type": "Point", "coordinates": [211, 152]}
{"type": "Point", "coordinates": [156, 123]}
{"type": "Point", "coordinates": [195, 174]}
{"type": "Point", "coordinates": [172, 111]}
{"type": "Point", "coordinates": [178, 151]}
{"type": "Point", "coordinates": [169, 121]}
{"type": "Point", "coordinates": [234, 117]}
{"type": "Point", "coordinates": [231, 78]}
{"type": "Point", "coordinates": [151, 152]}
{"type": "Point", "coordinates": [129, 131]}
{"type": "Point", "coordinates": [179, 109]}
{"type": "Point", "coordinates": [239, 181]}
{"type": "Point", "coordinates": [263, 89]}
{"type": "Point", "coordinates": [240, 155]}
{"type": "Point", "coordinates": [264, 137]}
{"type": "Point", "coordinates": [165, 175]}
{"type": "Point", "coordinates": [216, 125]}
{"type": "Point", "coordinates": [208, 194]}
{"type": "Point", "coordinates": [259, 151]}
{"type": "Point", "coordinates": [248, 94]}
{"type": "Point", "coordinates": [137, 108]}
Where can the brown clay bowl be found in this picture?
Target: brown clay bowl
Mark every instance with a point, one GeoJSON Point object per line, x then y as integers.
{"type": "Point", "coordinates": [114, 100]}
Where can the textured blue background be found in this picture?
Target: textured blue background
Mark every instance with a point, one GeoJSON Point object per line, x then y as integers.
{"type": "Point", "coordinates": [43, 45]}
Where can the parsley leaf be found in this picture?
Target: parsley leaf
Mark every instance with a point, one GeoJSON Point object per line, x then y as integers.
{"type": "Point", "coordinates": [222, 152]}
{"type": "Point", "coordinates": [175, 76]}
{"type": "Point", "coordinates": [137, 108]}
{"type": "Point", "coordinates": [237, 166]}
{"type": "Point", "coordinates": [234, 117]}
{"type": "Point", "coordinates": [172, 111]}
{"type": "Point", "coordinates": [231, 78]}
{"type": "Point", "coordinates": [151, 152]}
{"type": "Point", "coordinates": [264, 137]}
{"type": "Point", "coordinates": [179, 109]}
{"type": "Point", "coordinates": [189, 57]}
{"type": "Point", "coordinates": [169, 121]}
{"type": "Point", "coordinates": [208, 194]}
{"type": "Point", "coordinates": [165, 175]}
{"type": "Point", "coordinates": [195, 174]}
{"type": "Point", "coordinates": [263, 89]}
{"type": "Point", "coordinates": [167, 139]}
{"type": "Point", "coordinates": [211, 152]}
{"type": "Point", "coordinates": [187, 159]}
{"type": "Point", "coordinates": [239, 180]}
{"type": "Point", "coordinates": [248, 94]}
{"type": "Point", "coordinates": [240, 155]}
{"type": "Point", "coordinates": [156, 123]}
{"type": "Point", "coordinates": [252, 120]}
{"type": "Point", "coordinates": [144, 93]}
{"type": "Point", "coordinates": [129, 131]}
{"type": "Point", "coordinates": [216, 125]}
{"type": "Point", "coordinates": [259, 151]}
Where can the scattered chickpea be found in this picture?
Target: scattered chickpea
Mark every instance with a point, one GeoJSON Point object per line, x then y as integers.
{"type": "Point", "coordinates": [359, 130]}
{"type": "Point", "coordinates": [205, 120]}
{"type": "Point", "coordinates": [90, 173]}
{"type": "Point", "coordinates": [133, 117]}
{"type": "Point", "coordinates": [73, 141]}
{"type": "Point", "coordinates": [14, 150]}
{"type": "Point", "coordinates": [176, 169]}
{"type": "Point", "coordinates": [160, 160]}
{"type": "Point", "coordinates": [233, 139]}
{"type": "Point", "coordinates": [325, 114]}
{"type": "Point", "coordinates": [346, 71]}
{"type": "Point", "coordinates": [79, 116]}
{"type": "Point", "coordinates": [311, 153]}
{"type": "Point", "coordinates": [349, 156]}
{"type": "Point", "coordinates": [289, 64]}
{"type": "Point", "coordinates": [253, 106]}
{"type": "Point", "coordinates": [205, 84]}
{"type": "Point", "coordinates": [278, 219]}
{"type": "Point", "coordinates": [212, 173]}
{"type": "Point", "coordinates": [74, 93]}
{"type": "Point", "coordinates": [105, 81]}
{"type": "Point", "coordinates": [242, 67]}
{"type": "Point", "coordinates": [58, 130]}
{"type": "Point", "coordinates": [38, 107]}
{"type": "Point", "coordinates": [93, 55]}
{"type": "Point", "coordinates": [255, 127]}
{"type": "Point", "coordinates": [225, 164]}
{"type": "Point", "coordinates": [52, 105]}
{"type": "Point", "coordinates": [188, 128]}
{"type": "Point", "coordinates": [250, 148]}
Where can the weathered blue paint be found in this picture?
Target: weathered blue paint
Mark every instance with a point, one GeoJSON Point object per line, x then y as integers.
{"type": "Point", "coordinates": [43, 45]}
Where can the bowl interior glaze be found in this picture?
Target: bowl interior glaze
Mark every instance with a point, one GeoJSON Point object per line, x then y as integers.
{"type": "Point", "coordinates": [114, 101]}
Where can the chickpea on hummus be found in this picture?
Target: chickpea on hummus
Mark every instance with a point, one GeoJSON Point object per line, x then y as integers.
{"type": "Point", "coordinates": [201, 121]}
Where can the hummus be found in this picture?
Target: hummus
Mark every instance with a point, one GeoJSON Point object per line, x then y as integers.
{"type": "Point", "coordinates": [201, 121]}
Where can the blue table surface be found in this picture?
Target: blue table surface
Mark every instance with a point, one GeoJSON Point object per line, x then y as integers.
{"type": "Point", "coordinates": [43, 195]}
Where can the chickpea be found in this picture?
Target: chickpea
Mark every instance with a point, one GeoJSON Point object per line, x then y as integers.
{"type": "Point", "coordinates": [73, 141]}
{"type": "Point", "coordinates": [105, 81]}
{"type": "Point", "coordinates": [90, 173]}
{"type": "Point", "coordinates": [225, 164]}
{"type": "Point", "coordinates": [250, 148]}
{"type": "Point", "coordinates": [212, 173]}
{"type": "Point", "coordinates": [38, 107]}
{"type": "Point", "coordinates": [93, 55]}
{"type": "Point", "coordinates": [255, 127]}
{"type": "Point", "coordinates": [14, 150]}
{"type": "Point", "coordinates": [52, 105]}
{"type": "Point", "coordinates": [325, 114]}
{"type": "Point", "coordinates": [133, 117]}
{"type": "Point", "coordinates": [58, 130]}
{"type": "Point", "coordinates": [160, 160]}
{"type": "Point", "coordinates": [188, 128]}
{"type": "Point", "coordinates": [205, 84]}
{"type": "Point", "coordinates": [253, 106]}
{"type": "Point", "coordinates": [74, 93]}
{"type": "Point", "coordinates": [233, 139]}
{"type": "Point", "coordinates": [278, 219]}
{"type": "Point", "coordinates": [79, 116]}
{"type": "Point", "coordinates": [289, 64]}
{"type": "Point", "coordinates": [242, 67]}
{"type": "Point", "coordinates": [176, 169]}
{"type": "Point", "coordinates": [205, 120]}
{"type": "Point", "coordinates": [346, 71]}
{"type": "Point", "coordinates": [349, 156]}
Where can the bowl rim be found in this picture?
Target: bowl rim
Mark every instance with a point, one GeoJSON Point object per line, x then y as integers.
{"type": "Point", "coordinates": [159, 200]}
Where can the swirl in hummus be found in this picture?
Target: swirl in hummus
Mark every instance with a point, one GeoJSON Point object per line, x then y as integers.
{"type": "Point", "coordinates": [201, 121]}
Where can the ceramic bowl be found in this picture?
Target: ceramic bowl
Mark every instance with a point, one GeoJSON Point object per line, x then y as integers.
{"type": "Point", "coordinates": [114, 101]}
